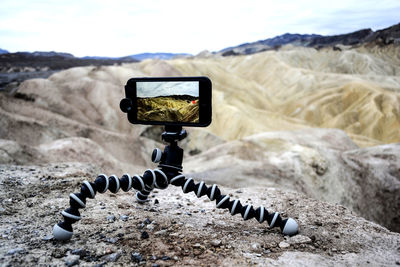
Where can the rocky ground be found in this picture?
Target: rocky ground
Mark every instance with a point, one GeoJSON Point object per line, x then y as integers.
{"type": "Point", "coordinates": [175, 228]}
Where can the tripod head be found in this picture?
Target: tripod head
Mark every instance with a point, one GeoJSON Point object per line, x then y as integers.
{"type": "Point", "coordinates": [171, 159]}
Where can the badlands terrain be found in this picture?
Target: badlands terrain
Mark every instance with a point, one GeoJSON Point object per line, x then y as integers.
{"type": "Point", "coordinates": [311, 133]}
{"type": "Point", "coordinates": [183, 108]}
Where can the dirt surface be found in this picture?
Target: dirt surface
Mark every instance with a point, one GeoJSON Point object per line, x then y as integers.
{"type": "Point", "coordinates": [175, 228]}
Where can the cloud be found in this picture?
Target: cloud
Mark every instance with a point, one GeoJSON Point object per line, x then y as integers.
{"type": "Point", "coordinates": [122, 27]}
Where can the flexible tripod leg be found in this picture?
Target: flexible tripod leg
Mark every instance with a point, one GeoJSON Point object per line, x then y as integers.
{"type": "Point", "coordinates": [288, 226]}
{"type": "Point", "coordinates": [144, 184]}
{"type": "Point", "coordinates": [63, 230]}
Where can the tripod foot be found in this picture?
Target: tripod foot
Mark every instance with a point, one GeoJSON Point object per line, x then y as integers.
{"type": "Point", "coordinates": [291, 227]}
{"type": "Point", "coordinates": [61, 231]}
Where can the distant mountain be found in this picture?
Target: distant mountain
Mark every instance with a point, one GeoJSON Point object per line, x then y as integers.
{"type": "Point", "coordinates": [259, 46]}
{"type": "Point", "coordinates": [50, 54]}
{"type": "Point", "coordinates": [20, 66]}
{"type": "Point", "coordinates": [52, 60]}
{"type": "Point", "coordinates": [143, 56]}
{"type": "Point", "coordinates": [380, 37]}
{"type": "Point", "coordinates": [2, 51]}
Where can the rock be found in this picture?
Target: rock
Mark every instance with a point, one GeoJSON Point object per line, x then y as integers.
{"type": "Point", "coordinates": [47, 238]}
{"type": "Point", "coordinates": [147, 221]}
{"type": "Point", "coordinates": [150, 227]}
{"type": "Point", "coordinates": [136, 257]}
{"type": "Point", "coordinates": [376, 183]}
{"type": "Point", "coordinates": [16, 251]}
{"type": "Point", "coordinates": [298, 239]}
{"type": "Point", "coordinates": [338, 236]}
{"type": "Point", "coordinates": [71, 260]}
{"type": "Point", "coordinates": [111, 218]}
{"type": "Point", "coordinates": [161, 232]}
{"type": "Point", "coordinates": [284, 244]}
{"type": "Point", "coordinates": [256, 247]}
{"type": "Point", "coordinates": [58, 253]}
{"type": "Point", "coordinates": [113, 257]}
{"type": "Point", "coordinates": [112, 240]}
{"type": "Point", "coordinates": [81, 252]}
{"type": "Point", "coordinates": [322, 163]}
{"type": "Point", "coordinates": [216, 242]}
{"type": "Point", "coordinates": [124, 218]}
{"type": "Point", "coordinates": [144, 235]}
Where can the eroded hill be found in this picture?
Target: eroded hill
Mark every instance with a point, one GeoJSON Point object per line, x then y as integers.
{"type": "Point", "coordinates": [169, 108]}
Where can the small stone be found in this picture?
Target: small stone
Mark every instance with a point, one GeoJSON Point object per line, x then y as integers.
{"type": "Point", "coordinates": [111, 218]}
{"type": "Point", "coordinates": [156, 201]}
{"type": "Point", "coordinates": [161, 232]}
{"type": "Point", "coordinates": [155, 265]}
{"type": "Point", "coordinates": [15, 251]}
{"type": "Point", "coordinates": [175, 258]}
{"type": "Point", "coordinates": [150, 227]}
{"type": "Point", "coordinates": [48, 238]}
{"type": "Point", "coordinates": [216, 242]}
{"type": "Point", "coordinates": [71, 260]}
{"type": "Point", "coordinates": [58, 253]}
{"type": "Point", "coordinates": [80, 252]}
{"type": "Point", "coordinates": [283, 244]}
{"type": "Point", "coordinates": [144, 235]}
{"type": "Point", "coordinates": [256, 247]}
{"type": "Point", "coordinates": [113, 257]}
{"type": "Point", "coordinates": [147, 221]}
{"type": "Point", "coordinates": [299, 239]}
{"type": "Point", "coordinates": [136, 257]}
{"type": "Point", "coordinates": [165, 258]}
{"type": "Point", "coordinates": [124, 218]}
{"type": "Point", "coordinates": [112, 240]}
{"type": "Point", "coordinates": [141, 226]}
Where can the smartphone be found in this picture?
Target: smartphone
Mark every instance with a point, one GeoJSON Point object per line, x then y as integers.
{"type": "Point", "coordinates": [181, 101]}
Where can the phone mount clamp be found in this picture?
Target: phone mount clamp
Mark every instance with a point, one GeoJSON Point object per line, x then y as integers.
{"type": "Point", "coordinates": [169, 172]}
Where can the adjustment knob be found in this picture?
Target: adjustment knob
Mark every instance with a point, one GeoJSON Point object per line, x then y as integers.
{"type": "Point", "coordinates": [125, 105]}
{"type": "Point", "coordinates": [156, 156]}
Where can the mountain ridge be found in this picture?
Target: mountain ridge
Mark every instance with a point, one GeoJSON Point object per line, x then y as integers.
{"type": "Point", "coordinates": [390, 35]}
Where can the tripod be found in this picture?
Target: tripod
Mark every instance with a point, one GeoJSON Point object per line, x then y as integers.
{"type": "Point", "coordinates": [169, 172]}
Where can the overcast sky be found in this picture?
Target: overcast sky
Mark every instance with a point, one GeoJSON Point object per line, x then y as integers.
{"type": "Point", "coordinates": [125, 27]}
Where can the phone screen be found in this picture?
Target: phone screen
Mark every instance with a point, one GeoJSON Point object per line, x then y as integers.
{"type": "Point", "coordinates": [168, 101]}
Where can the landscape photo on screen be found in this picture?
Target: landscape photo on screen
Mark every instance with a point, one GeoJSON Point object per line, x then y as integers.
{"type": "Point", "coordinates": [168, 101]}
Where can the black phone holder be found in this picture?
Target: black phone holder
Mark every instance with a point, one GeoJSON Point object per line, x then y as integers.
{"type": "Point", "coordinates": [169, 171]}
